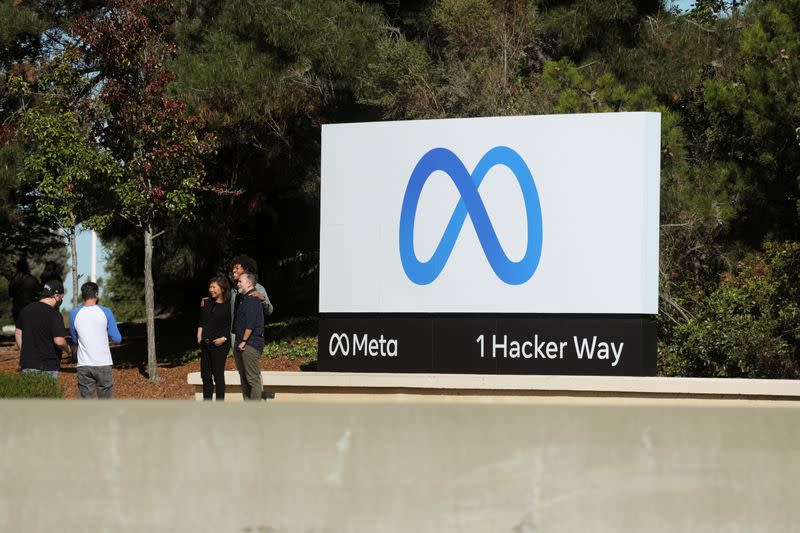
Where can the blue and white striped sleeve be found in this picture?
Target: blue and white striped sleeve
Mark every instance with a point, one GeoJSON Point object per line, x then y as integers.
{"type": "Point", "coordinates": [72, 331]}
{"type": "Point", "coordinates": [113, 330]}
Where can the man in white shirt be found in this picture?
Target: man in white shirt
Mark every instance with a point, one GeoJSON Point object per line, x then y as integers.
{"type": "Point", "coordinates": [91, 325]}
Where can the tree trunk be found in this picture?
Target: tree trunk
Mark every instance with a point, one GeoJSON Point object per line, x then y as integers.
{"type": "Point", "coordinates": [73, 248]}
{"type": "Point", "coordinates": [149, 305]}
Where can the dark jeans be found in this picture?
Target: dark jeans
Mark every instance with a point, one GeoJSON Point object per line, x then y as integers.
{"type": "Point", "coordinates": [212, 369]}
{"type": "Point", "coordinates": [53, 373]}
{"type": "Point", "coordinates": [97, 380]}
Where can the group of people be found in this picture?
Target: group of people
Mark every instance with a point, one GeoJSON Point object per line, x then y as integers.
{"type": "Point", "coordinates": [233, 320]}
{"type": "Point", "coordinates": [226, 320]}
{"type": "Point", "coordinates": [41, 337]}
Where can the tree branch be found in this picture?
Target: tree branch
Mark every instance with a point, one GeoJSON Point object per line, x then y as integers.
{"type": "Point", "coordinates": [704, 28]}
{"type": "Point", "coordinates": [588, 64]}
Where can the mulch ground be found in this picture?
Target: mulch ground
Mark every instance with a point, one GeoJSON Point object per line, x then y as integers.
{"type": "Point", "coordinates": [131, 379]}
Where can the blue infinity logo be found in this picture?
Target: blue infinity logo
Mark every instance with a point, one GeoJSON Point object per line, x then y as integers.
{"type": "Point", "coordinates": [513, 273]}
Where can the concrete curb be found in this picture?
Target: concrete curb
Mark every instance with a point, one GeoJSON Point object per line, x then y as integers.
{"type": "Point", "coordinates": [345, 384]}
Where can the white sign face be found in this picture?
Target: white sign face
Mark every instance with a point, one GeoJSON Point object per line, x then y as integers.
{"type": "Point", "coordinates": [539, 214]}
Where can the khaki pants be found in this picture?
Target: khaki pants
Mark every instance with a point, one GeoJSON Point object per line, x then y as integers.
{"type": "Point", "coordinates": [249, 366]}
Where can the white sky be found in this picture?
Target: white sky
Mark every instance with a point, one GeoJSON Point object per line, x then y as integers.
{"type": "Point", "coordinates": [84, 265]}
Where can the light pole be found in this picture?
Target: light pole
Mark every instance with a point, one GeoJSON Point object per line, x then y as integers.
{"type": "Point", "coordinates": [94, 257]}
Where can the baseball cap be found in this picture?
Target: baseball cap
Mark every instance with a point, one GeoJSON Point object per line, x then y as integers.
{"type": "Point", "coordinates": [51, 288]}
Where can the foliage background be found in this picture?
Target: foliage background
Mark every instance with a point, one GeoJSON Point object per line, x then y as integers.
{"type": "Point", "coordinates": [264, 75]}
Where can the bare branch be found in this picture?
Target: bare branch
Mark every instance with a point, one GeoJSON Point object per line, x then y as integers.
{"type": "Point", "coordinates": [681, 225]}
{"type": "Point", "coordinates": [704, 28]}
{"type": "Point", "coordinates": [588, 64]}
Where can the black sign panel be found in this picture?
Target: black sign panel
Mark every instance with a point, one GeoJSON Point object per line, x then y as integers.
{"type": "Point", "coordinates": [609, 345]}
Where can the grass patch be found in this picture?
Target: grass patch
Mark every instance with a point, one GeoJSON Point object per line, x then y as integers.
{"type": "Point", "coordinates": [295, 338]}
{"type": "Point", "coordinates": [29, 385]}
{"type": "Point", "coordinates": [297, 348]}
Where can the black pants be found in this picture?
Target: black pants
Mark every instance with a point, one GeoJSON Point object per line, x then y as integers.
{"type": "Point", "coordinates": [212, 369]}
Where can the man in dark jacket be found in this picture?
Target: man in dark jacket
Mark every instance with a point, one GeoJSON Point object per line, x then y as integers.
{"type": "Point", "coordinates": [248, 328]}
{"type": "Point", "coordinates": [50, 272]}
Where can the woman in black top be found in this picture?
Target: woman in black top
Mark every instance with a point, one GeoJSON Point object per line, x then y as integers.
{"type": "Point", "coordinates": [213, 336]}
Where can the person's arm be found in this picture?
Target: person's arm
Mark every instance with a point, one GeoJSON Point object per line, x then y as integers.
{"type": "Point", "coordinates": [18, 337]}
{"type": "Point", "coordinates": [219, 341]}
{"type": "Point", "coordinates": [261, 295]}
{"type": "Point", "coordinates": [248, 306]}
{"type": "Point", "coordinates": [73, 333]}
{"type": "Point", "coordinates": [112, 329]}
{"type": "Point", "coordinates": [245, 336]}
{"type": "Point", "coordinates": [199, 334]}
{"type": "Point", "coordinates": [62, 344]}
{"type": "Point", "coordinates": [58, 331]}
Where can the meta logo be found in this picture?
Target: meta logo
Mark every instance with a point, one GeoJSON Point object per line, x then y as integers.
{"type": "Point", "coordinates": [512, 273]}
{"type": "Point", "coordinates": [343, 344]}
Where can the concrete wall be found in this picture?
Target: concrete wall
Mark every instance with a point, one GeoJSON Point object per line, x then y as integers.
{"type": "Point", "coordinates": [495, 388]}
{"type": "Point", "coordinates": [290, 467]}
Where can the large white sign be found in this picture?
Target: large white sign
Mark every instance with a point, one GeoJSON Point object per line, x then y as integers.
{"type": "Point", "coordinates": [539, 214]}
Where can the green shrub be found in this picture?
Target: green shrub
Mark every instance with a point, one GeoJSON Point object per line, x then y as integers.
{"type": "Point", "coordinates": [295, 338]}
{"type": "Point", "coordinates": [297, 348]}
{"type": "Point", "coordinates": [29, 385]}
{"type": "Point", "coordinates": [748, 327]}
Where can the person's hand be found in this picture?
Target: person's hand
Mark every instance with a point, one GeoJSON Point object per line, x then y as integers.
{"type": "Point", "coordinates": [220, 341]}
{"type": "Point", "coordinates": [203, 301]}
{"type": "Point", "coordinates": [199, 341]}
{"type": "Point", "coordinates": [242, 345]}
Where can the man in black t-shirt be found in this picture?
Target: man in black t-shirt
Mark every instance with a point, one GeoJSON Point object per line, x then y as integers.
{"type": "Point", "coordinates": [40, 332]}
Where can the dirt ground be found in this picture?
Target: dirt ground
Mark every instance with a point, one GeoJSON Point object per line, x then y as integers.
{"type": "Point", "coordinates": [131, 379]}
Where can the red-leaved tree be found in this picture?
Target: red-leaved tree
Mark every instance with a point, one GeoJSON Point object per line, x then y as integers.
{"type": "Point", "coordinates": [161, 149]}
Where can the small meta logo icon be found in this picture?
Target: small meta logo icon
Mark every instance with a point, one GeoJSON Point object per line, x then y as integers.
{"type": "Point", "coordinates": [512, 273]}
